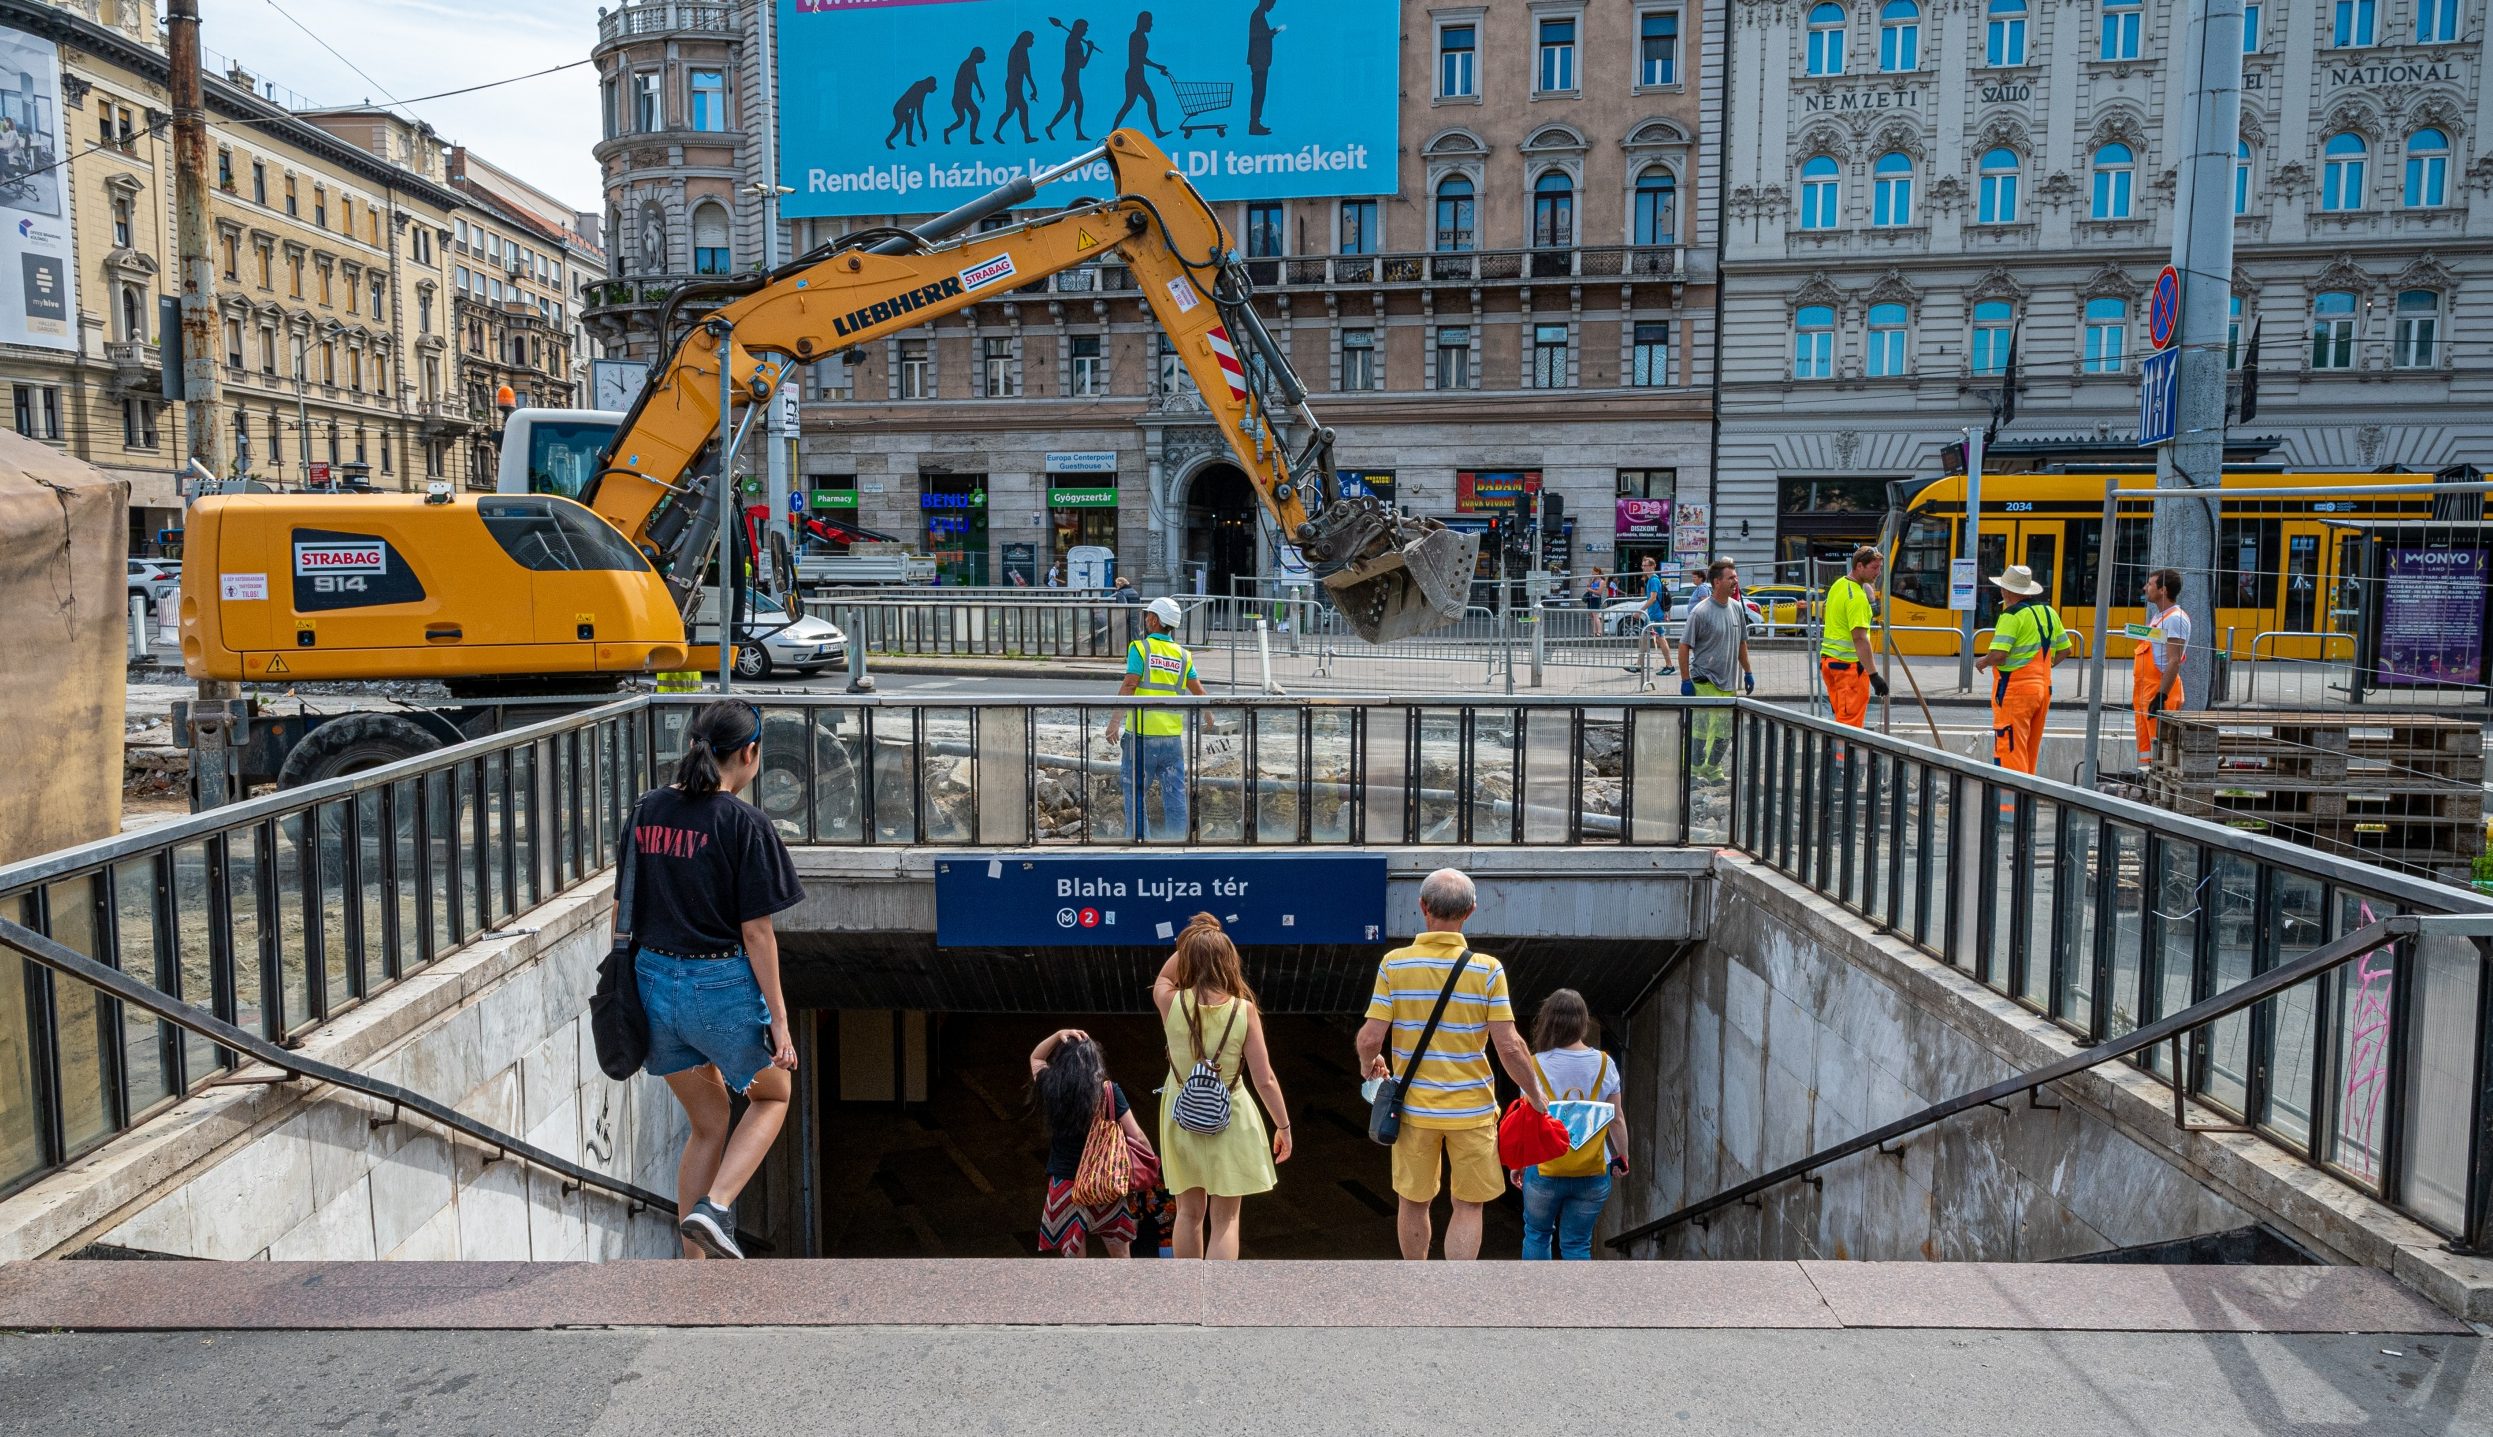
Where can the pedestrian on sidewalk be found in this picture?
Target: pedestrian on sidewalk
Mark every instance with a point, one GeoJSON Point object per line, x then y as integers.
{"type": "Point", "coordinates": [1209, 1018]}
{"type": "Point", "coordinates": [2155, 657]}
{"type": "Point", "coordinates": [710, 873]}
{"type": "Point", "coordinates": [1657, 617]}
{"type": "Point", "coordinates": [2023, 644]}
{"type": "Point", "coordinates": [1714, 646]}
{"type": "Point", "coordinates": [1450, 1107]}
{"type": "Point", "coordinates": [1562, 1198]}
{"type": "Point", "coordinates": [1156, 666]}
{"type": "Point", "coordinates": [1069, 1074]}
{"type": "Point", "coordinates": [1844, 640]}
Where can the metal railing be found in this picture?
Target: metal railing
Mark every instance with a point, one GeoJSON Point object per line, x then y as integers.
{"type": "Point", "coordinates": [277, 914]}
{"type": "Point", "coordinates": [2107, 917]}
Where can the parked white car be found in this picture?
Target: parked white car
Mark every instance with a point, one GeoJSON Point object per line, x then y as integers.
{"type": "Point", "coordinates": [159, 581]}
{"type": "Point", "coordinates": [773, 638]}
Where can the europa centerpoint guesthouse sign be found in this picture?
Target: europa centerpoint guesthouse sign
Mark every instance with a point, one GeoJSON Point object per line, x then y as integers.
{"type": "Point", "coordinates": [914, 106]}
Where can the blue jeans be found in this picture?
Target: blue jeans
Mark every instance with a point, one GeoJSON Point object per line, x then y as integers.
{"type": "Point", "coordinates": [1144, 760]}
{"type": "Point", "coordinates": [1569, 1207]}
{"type": "Point", "coordinates": [704, 1010]}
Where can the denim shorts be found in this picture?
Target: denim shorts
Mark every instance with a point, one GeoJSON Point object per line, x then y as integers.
{"type": "Point", "coordinates": [704, 1010]}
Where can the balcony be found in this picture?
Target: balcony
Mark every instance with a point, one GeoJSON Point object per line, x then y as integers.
{"type": "Point", "coordinates": [439, 417]}
{"type": "Point", "coordinates": [640, 19]}
{"type": "Point", "coordinates": [136, 363]}
{"type": "Point", "coordinates": [1660, 263]}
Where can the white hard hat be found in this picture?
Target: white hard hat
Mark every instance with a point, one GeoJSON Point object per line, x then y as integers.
{"type": "Point", "coordinates": [1165, 610]}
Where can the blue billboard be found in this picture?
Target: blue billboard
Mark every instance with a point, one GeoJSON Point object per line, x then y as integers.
{"type": "Point", "coordinates": [915, 106]}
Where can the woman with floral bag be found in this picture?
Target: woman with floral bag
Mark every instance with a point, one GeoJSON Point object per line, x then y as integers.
{"type": "Point", "coordinates": [1096, 1152]}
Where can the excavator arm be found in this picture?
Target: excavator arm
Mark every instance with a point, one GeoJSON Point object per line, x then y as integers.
{"type": "Point", "coordinates": [1388, 574]}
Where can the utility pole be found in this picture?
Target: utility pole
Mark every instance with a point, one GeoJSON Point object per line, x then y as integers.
{"type": "Point", "coordinates": [219, 713]}
{"type": "Point", "coordinates": [2183, 536]}
{"type": "Point", "coordinates": [779, 434]}
{"type": "Point", "coordinates": [1974, 435]}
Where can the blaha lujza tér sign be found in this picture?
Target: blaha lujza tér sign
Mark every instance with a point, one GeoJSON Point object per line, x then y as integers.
{"type": "Point", "coordinates": [912, 106]}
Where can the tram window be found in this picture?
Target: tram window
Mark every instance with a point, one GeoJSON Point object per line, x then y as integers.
{"type": "Point", "coordinates": [2129, 563]}
{"type": "Point", "coordinates": [2246, 563]}
{"type": "Point", "coordinates": [1922, 562]}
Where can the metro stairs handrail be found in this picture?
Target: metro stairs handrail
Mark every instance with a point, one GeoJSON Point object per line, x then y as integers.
{"type": "Point", "coordinates": [2333, 954]}
{"type": "Point", "coordinates": [53, 955]}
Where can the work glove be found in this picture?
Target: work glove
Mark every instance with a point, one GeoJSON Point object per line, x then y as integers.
{"type": "Point", "coordinates": [1687, 688]}
{"type": "Point", "coordinates": [2155, 705]}
{"type": "Point", "coordinates": [1878, 685]}
{"type": "Point", "coordinates": [1748, 682]}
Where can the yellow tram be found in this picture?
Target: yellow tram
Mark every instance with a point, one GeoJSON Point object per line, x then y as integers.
{"type": "Point", "coordinates": [2281, 562]}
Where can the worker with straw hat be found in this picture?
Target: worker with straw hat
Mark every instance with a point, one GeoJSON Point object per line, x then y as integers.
{"type": "Point", "coordinates": [2028, 636]}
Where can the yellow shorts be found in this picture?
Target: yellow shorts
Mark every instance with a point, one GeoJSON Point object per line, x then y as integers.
{"type": "Point", "coordinates": [1473, 1152]}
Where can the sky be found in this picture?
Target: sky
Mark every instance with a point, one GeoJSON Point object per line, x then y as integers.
{"type": "Point", "coordinates": [539, 130]}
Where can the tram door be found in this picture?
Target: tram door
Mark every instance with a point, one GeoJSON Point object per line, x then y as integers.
{"type": "Point", "coordinates": [2036, 545]}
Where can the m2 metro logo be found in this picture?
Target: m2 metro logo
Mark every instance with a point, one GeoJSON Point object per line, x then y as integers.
{"type": "Point", "coordinates": [883, 311]}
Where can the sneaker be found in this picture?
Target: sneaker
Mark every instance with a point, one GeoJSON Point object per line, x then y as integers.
{"type": "Point", "coordinates": [712, 1228]}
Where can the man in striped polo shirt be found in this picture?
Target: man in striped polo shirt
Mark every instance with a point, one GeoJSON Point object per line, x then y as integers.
{"type": "Point", "coordinates": [1450, 1113]}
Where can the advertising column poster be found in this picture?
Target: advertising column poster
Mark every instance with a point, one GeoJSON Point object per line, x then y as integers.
{"type": "Point", "coordinates": [38, 292]}
{"type": "Point", "coordinates": [915, 106]}
{"type": "Point", "coordinates": [2432, 618]}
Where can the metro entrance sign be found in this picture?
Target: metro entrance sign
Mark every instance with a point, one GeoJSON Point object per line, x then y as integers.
{"type": "Point", "coordinates": [1144, 899]}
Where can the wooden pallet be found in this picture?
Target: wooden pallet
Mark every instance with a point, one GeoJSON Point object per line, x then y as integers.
{"type": "Point", "coordinates": [2287, 800]}
{"type": "Point", "coordinates": [2319, 748]}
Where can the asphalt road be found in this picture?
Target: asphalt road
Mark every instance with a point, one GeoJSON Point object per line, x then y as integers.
{"type": "Point", "coordinates": [887, 1381]}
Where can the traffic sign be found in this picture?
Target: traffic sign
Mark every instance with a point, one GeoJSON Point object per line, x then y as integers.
{"type": "Point", "coordinates": [2157, 392]}
{"type": "Point", "coordinates": [1055, 901]}
{"type": "Point", "coordinates": [2164, 308]}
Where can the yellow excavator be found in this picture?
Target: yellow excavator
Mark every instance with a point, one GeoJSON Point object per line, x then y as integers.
{"type": "Point", "coordinates": [503, 594]}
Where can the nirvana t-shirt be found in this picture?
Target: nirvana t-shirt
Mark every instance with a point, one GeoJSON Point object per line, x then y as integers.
{"type": "Point", "coordinates": [708, 866]}
{"type": "Point", "coordinates": [1064, 1150]}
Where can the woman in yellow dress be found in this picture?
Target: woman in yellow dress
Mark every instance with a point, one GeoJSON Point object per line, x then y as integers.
{"type": "Point", "coordinates": [1208, 1012]}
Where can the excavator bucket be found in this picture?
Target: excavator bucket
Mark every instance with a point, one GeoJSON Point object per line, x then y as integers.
{"type": "Point", "coordinates": [1412, 575]}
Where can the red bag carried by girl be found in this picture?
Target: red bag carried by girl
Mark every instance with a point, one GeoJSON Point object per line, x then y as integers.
{"type": "Point", "coordinates": [1528, 1137]}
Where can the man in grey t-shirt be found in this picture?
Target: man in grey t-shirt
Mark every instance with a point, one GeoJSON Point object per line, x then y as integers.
{"type": "Point", "coordinates": [1713, 648]}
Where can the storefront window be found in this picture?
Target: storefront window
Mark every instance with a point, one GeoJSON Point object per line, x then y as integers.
{"type": "Point", "coordinates": [1642, 529]}
{"type": "Point", "coordinates": [1081, 509]}
{"type": "Point", "coordinates": [955, 507]}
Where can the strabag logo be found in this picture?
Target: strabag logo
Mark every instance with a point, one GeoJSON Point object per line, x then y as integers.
{"type": "Point", "coordinates": [883, 310]}
{"type": "Point", "coordinates": [340, 559]}
{"type": "Point", "coordinates": [980, 275]}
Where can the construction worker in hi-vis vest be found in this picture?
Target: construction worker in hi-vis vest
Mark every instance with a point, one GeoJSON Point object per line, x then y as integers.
{"type": "Point", "coordinates": [1156, 666]}
{"type": "Point", "coordinates": [2023, 644]}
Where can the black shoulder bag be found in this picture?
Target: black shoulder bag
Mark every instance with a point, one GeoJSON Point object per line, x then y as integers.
{"type": "Point", "coordinates": [617, 1021]}
{"type": "Point", "coordinates": [1385, 1111]}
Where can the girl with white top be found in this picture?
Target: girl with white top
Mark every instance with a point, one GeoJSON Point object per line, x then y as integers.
{"type": "Point", "coordinates": [1562, 1198]}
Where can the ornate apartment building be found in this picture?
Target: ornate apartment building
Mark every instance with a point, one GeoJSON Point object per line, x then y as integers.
{"type": "Point", "coordinates": [1914, 185]}
{"type": "Point", "coordinates": [1530, 307]}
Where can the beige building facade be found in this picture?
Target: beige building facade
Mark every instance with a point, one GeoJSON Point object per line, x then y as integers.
{"type": "Point", "coordinates": [1530, 308]}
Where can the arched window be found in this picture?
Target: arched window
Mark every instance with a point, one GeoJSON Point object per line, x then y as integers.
{"type": "Point", "coordinates": [2427, 169]}
{"type": "Point", "coordinates": [2004, 38]}
{"type": "Point", "coordinates": [1899, 36]}
{"type": "Point", "coordinates": [1454, 214]}
{"type": "Point", "coordinates": [1886, 357]}
{"type": "Point", "coordinates": [1826, 39]}
{"type": "Point", "coordinates": [2107, 334]}
{"type": "Point", "coordinates": [1813, 342]}
{"type": "Point", "coordinates": [1891, 190]}
{"type": "Point", "coordinates": [2121, 22]}
{"type": "Point", "coordinates": [2341, 172]}
{"type": "Point", "coordinates": [2115, 168]}
{"type": "Point", "coordinates": [1553, 211]}
{"type": "Point", "coordinates": [1821, 192]}
{"type": "Point", "coordinates": [710, 251]}
{"type": "Point", "coordinates": [2242, 177]}
{"type": "Point", "coordinates": [1995, 321]}
{"type": "Point", "coordinates": [2417, 342]}
{"type": "Point", "coordinates": [1657, 206]}
{"type": "Point", "coordinates": [2332, 329]}
{"type": "Point", "coordinates": [133, 314]}
{"type": "Point", "coordinates": [1996, 201]}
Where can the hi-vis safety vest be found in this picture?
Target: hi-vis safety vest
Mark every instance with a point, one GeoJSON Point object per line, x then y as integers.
{"type": "Point", "coordinates": [1165, 663]}
{"type": "Point", "coordinates": [2033, 631]}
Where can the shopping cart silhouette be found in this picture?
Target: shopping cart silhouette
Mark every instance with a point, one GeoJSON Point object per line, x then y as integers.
{"type": "Point", "coordinates": [1198, 98]}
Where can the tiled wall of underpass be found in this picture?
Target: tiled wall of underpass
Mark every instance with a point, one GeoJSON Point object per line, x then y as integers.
{"type": "Point", "coordinates": [1777, 1040]}
{"type": "Point", "coordinates": [322, 1183]}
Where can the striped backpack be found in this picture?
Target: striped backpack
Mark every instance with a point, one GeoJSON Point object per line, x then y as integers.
{"type": "Point", "coordinates": [1202, 1104]}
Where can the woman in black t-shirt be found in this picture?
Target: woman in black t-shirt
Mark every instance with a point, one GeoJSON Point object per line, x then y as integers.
{"type": "Point", "coordinates": [711, 872]}
{"type": "Point", "coordinates": [1074, 1091]}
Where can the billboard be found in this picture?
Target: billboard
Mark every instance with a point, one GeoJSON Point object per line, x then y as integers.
{"type": "Point", "coordinates": [38, 275]}
{"type": "Point", "coordinates": [915, 106]}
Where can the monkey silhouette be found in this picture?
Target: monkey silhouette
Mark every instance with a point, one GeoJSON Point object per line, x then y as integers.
{"type": "Point", "coordinates": [966, 93]}
{"type": "Point", "coordinates": [909, 114]}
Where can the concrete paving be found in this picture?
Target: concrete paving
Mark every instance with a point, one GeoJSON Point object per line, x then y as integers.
{"type": "Point", "coordinates": [906, 1380]}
